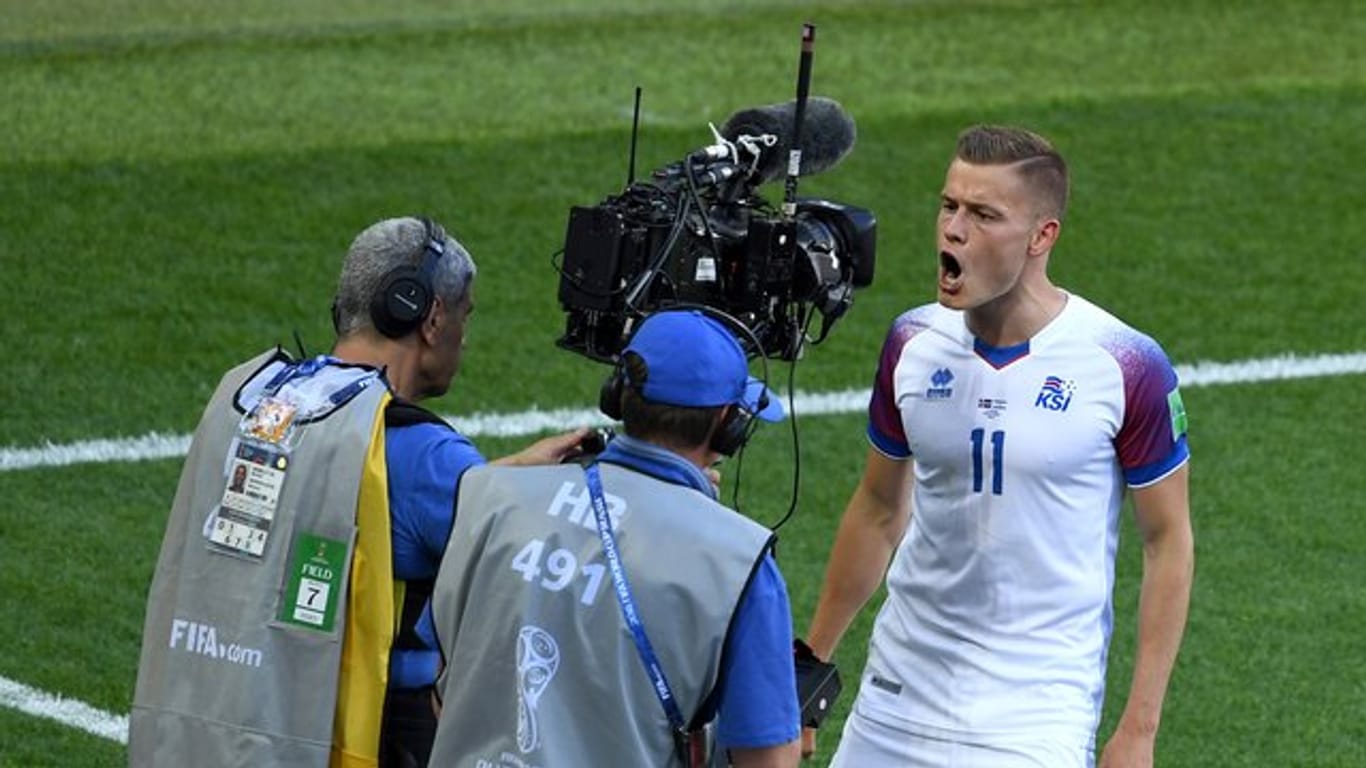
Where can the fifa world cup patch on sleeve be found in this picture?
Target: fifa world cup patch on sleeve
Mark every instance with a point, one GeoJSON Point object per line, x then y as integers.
{"type": "Point", "coordinates": [1178, 413]}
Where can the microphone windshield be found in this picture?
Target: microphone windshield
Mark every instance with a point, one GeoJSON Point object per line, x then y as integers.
{"type": "Point", "coordinates": [828, 134]}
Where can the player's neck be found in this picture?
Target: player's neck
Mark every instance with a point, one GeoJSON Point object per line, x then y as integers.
{"type": "Point", "coordinates": [1018, 316]}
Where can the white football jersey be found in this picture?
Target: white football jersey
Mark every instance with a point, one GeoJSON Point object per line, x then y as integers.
{"type": "Point", "coordinates": [998, 613]}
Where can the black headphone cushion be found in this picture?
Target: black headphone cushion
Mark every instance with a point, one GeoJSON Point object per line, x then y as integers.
{"type": "Point", "coordinates": [401, 303]}
{"type": "Point", "coordinates": [733, 431]}
{"type": "Point", "coordinates": [609, 397]}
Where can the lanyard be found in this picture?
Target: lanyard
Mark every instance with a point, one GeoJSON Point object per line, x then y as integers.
{"type": "Point", "coordinates": [627, 603]}
{"type": "Point", "coordinates": [306, 368]}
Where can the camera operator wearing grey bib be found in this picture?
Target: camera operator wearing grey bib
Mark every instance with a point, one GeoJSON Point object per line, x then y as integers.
{"type": "Point", "coordinates": [311, 513]}
{"type": "Point", "coordinates": [617, 613]}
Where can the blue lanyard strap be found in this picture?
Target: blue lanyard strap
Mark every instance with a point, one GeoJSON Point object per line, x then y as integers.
{"type": "Point", "coordinates": [306, 368]}
{"type": "Point", "coordinates": [299, 370]}
{"type": "Point", "coordinates": [628, 605]}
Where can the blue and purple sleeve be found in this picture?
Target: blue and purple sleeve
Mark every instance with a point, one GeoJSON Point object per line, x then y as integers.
{"type": "Point", "coordinates": [1152, 440]}
{"type": "Point", "coordinates": [885, 429]}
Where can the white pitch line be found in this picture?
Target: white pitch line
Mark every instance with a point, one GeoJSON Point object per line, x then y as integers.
{"type": "Point", "coordinates": [156, 445]}
{"type": "Point", "coordinates": [65, 711]}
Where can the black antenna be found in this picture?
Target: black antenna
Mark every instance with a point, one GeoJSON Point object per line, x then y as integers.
{"type": "Point", "coordinates": [299, 342]}
{"type": "Point", "coordinates": [794, 155]}
{"type": "Point", "coordinates": [635, 131]}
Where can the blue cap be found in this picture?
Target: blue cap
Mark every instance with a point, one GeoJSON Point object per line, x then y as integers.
{"type": "Point", "coordinates": [693, 360]}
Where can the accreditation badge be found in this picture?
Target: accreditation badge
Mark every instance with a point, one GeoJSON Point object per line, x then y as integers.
{"type": "Point", "coordinates": [257, 468]}
{"type": "Point", "coordinates": [271, 421]}
{"type": "Point", "coordinates": [247, 509]}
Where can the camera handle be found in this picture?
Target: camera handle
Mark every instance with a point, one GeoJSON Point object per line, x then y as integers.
{"type": "Point", "coordinates": [818, 684]}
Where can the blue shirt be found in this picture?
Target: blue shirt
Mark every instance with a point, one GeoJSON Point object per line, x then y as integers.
{"type": "Point", "coordinates": [757, 688]}
{"type": "Point", "coordinates": [425, 462]}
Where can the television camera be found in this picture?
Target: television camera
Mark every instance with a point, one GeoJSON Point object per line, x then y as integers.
{"type": "Point", "coordinates": [697, 232]}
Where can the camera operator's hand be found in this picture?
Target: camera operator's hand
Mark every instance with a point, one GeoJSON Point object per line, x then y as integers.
{"type": "Point", "coordinates": [549, 450]}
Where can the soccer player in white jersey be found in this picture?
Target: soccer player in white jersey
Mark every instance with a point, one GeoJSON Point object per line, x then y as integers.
{"type": "Point", "coordinates": [1006, 423]}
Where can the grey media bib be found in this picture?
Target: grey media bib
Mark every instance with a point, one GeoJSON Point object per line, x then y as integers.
{"type": "Point", "coordinates": [222, 681]}
{"type": "Point", "coordinates": [541, 669]}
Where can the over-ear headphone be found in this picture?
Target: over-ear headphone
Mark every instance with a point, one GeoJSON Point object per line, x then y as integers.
{"type": "Point", "coordinates": [406, 294]}
{"type": "Point", "coordinates": [613, 387]}
{"type": "Point", "coordinates": [733, 431]}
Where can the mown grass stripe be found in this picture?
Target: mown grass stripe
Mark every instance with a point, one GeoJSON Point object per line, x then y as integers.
{"type": "Point", "coordinates": [155, 445]}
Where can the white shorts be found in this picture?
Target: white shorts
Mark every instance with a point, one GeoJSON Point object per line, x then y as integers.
{"type": "Point", "coordinates": [867, 743]}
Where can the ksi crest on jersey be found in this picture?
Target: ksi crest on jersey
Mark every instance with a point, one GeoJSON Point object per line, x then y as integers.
{"type": "Point", "coordinates": [1055, 394]}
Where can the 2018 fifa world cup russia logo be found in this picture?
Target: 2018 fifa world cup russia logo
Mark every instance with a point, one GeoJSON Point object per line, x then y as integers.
{"type": "Point", "coordinates": [538, 657]}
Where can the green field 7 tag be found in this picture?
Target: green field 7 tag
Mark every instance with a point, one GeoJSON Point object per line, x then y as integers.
{"type": "Point", "coordinates": [315, 575]}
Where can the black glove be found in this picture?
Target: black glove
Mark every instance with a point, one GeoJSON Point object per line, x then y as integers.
{"type": "Point", "coordinates": [818, 684]}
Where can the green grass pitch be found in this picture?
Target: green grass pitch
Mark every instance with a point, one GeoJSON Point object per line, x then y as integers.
{"type": "Point", "coordinates": [179, 180]}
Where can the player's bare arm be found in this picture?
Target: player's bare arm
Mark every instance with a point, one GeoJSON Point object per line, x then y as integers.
{"type": "Point", "coordinates": [872, 526]}
{"type": "Point", "coordinates": [1162, 512]}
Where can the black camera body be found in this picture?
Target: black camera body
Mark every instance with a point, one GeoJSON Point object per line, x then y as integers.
{"type": "Point", "coordinates": [698, 233]}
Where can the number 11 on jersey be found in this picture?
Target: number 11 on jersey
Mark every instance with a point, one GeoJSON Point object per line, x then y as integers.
{"type": "Point", "coordinates": [998, 449]}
